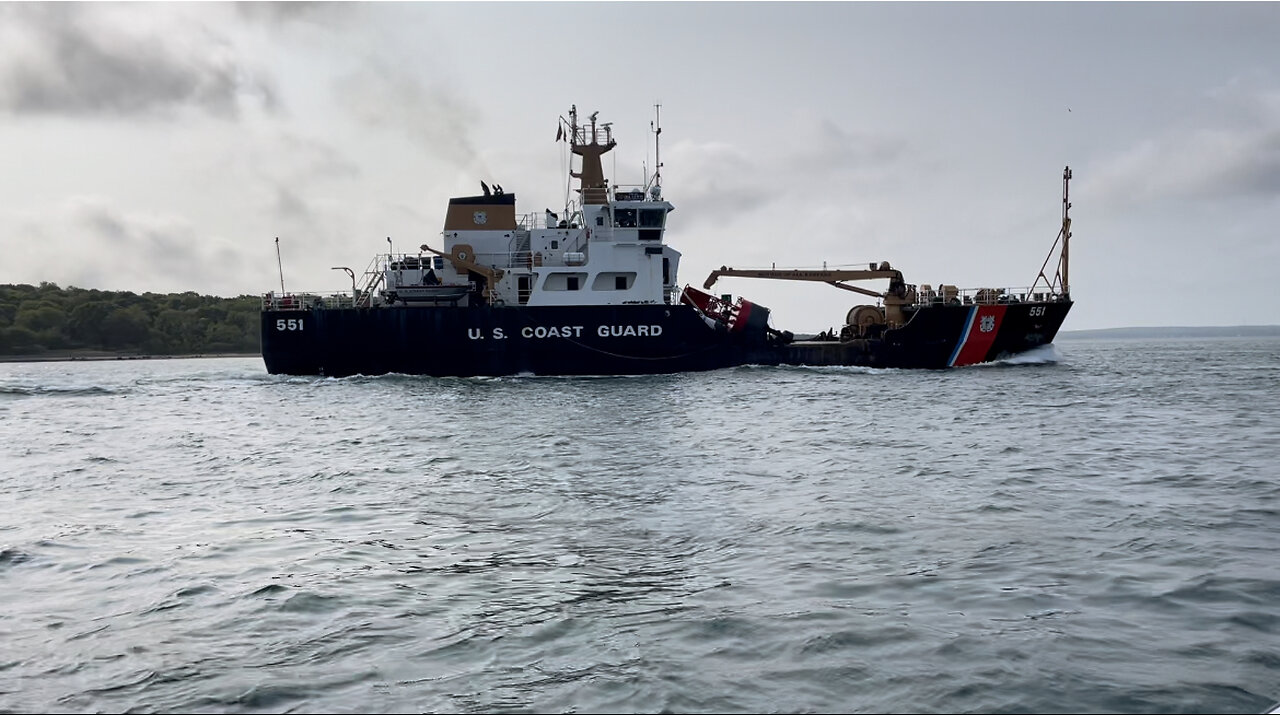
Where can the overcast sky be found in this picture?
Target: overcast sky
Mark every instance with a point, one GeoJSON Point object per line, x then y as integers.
{"type": "Point", "coordinates": [163, 147]}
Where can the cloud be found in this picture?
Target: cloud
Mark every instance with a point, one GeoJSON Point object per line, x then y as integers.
{"type": "Point", "coordinates": [277, 13]}
{"type": "Point", "coordinates": [829, 146]}
{"type": "Point", "coordinates": [290, 206]}
{"type": "Point", "coordinates": [89, 242]}
{"type": "Point", "coordinates": [1199, 164]}
{"type": "Point", "coordinates": [298, 159]}
{"type": "Point", "coordinates": [167, 245]}
{"type": "Point", "coordinates": [817, 167]}
{"type": "Point", "coordinates": [818, 178]}
{"type": "Point", "coordinates": [716, 182]}
{"type": "Point", "coordinates": [1232, 153]}
{"type": "Point", "coordinates": [437, 117]}
{"type": "Point", "coordinates": [82, 60]}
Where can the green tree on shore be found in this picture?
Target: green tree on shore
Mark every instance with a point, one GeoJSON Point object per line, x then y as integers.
{"type": "Point", "coordinates": [38, 320]}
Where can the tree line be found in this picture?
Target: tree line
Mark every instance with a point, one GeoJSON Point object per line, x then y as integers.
{"type": "Point", "coordinates": [46, 319]}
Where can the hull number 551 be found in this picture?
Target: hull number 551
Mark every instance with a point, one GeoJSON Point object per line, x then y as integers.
{"type": "Point", "coordinates": [290, 324]}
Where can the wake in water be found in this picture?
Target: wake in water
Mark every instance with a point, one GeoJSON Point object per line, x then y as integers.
{"type": "Point", "coordinates": [20, 390]}
{"type": "Point", "coordinates": [1043, 355]}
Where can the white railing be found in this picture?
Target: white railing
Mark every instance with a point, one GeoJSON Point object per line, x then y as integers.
{"type": "Point", "coordinates": [309, 301]}
{"type": "Point", "coordinates": [530, 259]}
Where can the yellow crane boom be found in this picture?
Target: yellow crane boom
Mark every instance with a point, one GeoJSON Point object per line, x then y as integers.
{"type": "Point", "coordinates": [833, 277]}
{"type": "Point", "coordinates": [895, 299]}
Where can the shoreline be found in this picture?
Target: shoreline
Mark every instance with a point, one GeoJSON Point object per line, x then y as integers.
{"type": "Point", "coordinates": [94, 357]}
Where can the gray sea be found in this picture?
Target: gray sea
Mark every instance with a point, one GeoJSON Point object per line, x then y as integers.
{"type": "Point", "coordinates": [1094, 528]}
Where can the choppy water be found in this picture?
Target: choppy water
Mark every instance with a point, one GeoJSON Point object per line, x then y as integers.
{"type": "Point", "coordinates": [1097, 530]}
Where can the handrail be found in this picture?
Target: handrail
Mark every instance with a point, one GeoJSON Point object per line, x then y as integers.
{"type": "Point", "coordinates": [926, 293]}
{"type": "Point", "coordinates": [372, 278]}
{"type": "Point", "coordinates": [307, 300]}
{"type": "Point", "coordinates": [524, 259]}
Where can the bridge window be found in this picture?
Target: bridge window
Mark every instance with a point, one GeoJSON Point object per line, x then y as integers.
{"type": "Point", "coordinates": [652, 218]}
{"type": "Point", "coordinates": [626, 218]}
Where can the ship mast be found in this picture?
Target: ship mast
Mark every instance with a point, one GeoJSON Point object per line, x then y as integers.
{"type": "Point", "coordinates": [1066, 229]}
{"type": "Point", "coordinates": [585, 142]}
{"type": "Point", "coordinates": [1060, 285]}
{"type": "Point", "coordinates": [656, 126]}
{"type": "Point", "coordinates": [280, 265]}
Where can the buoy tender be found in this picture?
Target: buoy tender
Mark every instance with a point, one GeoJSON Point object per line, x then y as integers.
{"type": "Point", "coordinates": [592, 289]}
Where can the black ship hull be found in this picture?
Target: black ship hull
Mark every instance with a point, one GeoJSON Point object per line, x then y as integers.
{"type": "Point", "coordinates": [624, 340]}
{"type": "Point", "coordinates": [944, 335]}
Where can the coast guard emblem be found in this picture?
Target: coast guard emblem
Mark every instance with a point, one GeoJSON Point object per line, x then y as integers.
{"type": "Point", "coordinates": [988, 323]}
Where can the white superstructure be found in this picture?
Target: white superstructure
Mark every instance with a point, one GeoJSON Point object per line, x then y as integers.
{"type": "Point", "coordinates": [606, 247]}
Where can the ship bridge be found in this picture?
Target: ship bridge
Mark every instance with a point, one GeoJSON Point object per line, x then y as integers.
{"type": "Point", "coordinates": [606, 247]}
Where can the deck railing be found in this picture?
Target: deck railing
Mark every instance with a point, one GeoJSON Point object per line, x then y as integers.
{"type": "Point", "coordinates": [310, 300]}
{"type": "Point", "coordinates": [925, 294]}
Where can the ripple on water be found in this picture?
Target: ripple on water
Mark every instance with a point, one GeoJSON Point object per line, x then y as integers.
{"type": "Point", "coordinates": [1093, 531]}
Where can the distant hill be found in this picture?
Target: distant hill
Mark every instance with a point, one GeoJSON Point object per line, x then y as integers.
{"type": "Point", "coordinates": [1212, 331]}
